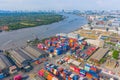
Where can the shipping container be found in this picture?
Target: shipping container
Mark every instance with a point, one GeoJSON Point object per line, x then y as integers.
{"type": "Point", "coordinates": [89, 76]}
{"type": "Point", "coordinates": [82, 72]}
{"type": "Point", "coordinates": [58, 51]}
{"type": "Point", "coordinates": [87, 67]}
{"type": "Point", "coordinates": [18, 77]}
{"type": "Point", "coordinates": [75, 77]}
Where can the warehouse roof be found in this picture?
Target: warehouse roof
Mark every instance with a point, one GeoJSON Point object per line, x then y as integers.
{"type": "Point", "coordinates": [99, 54]}
{"type": "Point", "coordinates": [4, 62]}
{"type": "Point", "coordinates": [32, 51]}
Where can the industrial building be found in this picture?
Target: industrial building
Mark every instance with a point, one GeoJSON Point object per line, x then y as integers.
{"type": "Point", "coordinates": [33, 52]}
{"type": "Point", "coordinates": [21, 59]}
{"type": "Point", "coordinates": [98, 43]}
{"type": "Point", "coordinates": [98, 55]}
{"type": "Point", "coordinates": [6, 67]}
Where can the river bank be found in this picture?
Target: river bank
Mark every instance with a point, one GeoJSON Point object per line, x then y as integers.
{"type": "Point", "coordinates": [18, 38]}
{"type": "Point", "coordinates": [19, 20]}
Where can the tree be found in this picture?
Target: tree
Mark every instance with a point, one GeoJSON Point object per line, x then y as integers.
{"type": "Point", "coordinates": [102, 60]}
{"type": "Point", "coordinates": [115, 54]}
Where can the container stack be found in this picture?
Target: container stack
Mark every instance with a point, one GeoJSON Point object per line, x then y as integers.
{"type": "Point", "coordinates": [47, 75]}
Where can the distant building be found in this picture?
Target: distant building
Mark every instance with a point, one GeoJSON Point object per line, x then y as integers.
{"type": "Point", "coordinates": [98, 43]}
{"type": "Point", "coordinates": [4, 28]}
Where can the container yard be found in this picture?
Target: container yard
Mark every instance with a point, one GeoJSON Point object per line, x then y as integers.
{"type": "Point", "coordinates": [62, 43]}
{"type": "Point", "coordinates": [69, 59]}
{"type": "Point", "coordinates": [54, 72]}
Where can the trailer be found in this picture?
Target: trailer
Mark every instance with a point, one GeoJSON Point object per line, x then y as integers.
{"type": "Point", "coordinates": [6, 67]}
{"type": "Point", "coordinates": [22, 60]}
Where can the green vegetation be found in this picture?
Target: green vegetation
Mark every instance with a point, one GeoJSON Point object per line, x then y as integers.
{"type": "Point", "coordinates": [115, 54]}
{"type": "Point", "coordinates": [24, 20]}
{"type": "Point", "coordinates": [102, 60]}
{"type": "Point", "coordinates": [33, 42]}
{"type": "Point", "coordinates": [113, 44]}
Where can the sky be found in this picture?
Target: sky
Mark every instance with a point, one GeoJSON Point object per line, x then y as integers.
{"type": "Point", "coordinates": [59, 4]}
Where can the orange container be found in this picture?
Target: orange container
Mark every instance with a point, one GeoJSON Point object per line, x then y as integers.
{"type": "Point", "coordinates": [89, 75]}
{"type": "Point", "coordinates": [69, 78]}
{"type": "Point", "coordinates": [49, 77]}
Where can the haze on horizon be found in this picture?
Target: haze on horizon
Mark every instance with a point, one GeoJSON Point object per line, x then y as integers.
{"type": "Point", "coordinates": [59, 4]}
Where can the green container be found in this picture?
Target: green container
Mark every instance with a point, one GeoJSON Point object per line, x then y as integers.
{"type": "Point", "coordinates": [46, 74]}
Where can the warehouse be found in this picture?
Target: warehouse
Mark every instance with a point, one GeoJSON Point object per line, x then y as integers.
{"type": "Point", "coordinates": [98, 55]}
{"type": "Point", "coordinates": [6, 67]}
{"type": "Point", "coordinates": [98, 43]}
{"type": "Point", "coordinates": [32, 51]}
{"type": "Point", "coordinates": [21, 59]}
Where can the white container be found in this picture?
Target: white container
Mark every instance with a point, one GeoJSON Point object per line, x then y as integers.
{"type": "Point", "coordinates": [54, 78]}
{"type": "Point", "coordinates": [72, 75]}
{"type": "Point", "coordinates": [70, 60]}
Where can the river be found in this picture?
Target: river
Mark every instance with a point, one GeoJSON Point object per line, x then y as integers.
{"type": "Point", "coordinates": [18, 38]}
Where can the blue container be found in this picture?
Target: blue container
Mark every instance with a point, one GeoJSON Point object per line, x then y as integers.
{"type": "Point", "coordinates": [65, 47]}
{"type": "Point", "coordinates": [52, 66]}
{"type": "Point", "coordinates": [83, 72]}
{"type": "Point", "coordinates": [66, 78]}
{"type": "Point", "coordinates": [45, 63]}
{"type": "Point", "coordinates": [94, 74]}
{"type": "Point", "coordinates": [87, 65]}
{"type": "Point", "coordinates": [75, 77]}
{"type": "Point", "coordinates": [59, 51]}
{"type": "Point", "coordinates": [2, 76]}
{"type": "Point", "coordinates": [51, 49]}
{"type": "Point", "coordinates": [48, 68]}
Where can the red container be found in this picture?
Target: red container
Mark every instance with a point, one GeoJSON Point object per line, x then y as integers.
{"type": "Point", "coordinates": [88, 53]}
{"type": "Point", "coordinates": [63, 75]}
{"type": "Point", "coordinates": [72, 67]}
{"type": "Point", "coordinates": [60, 69]}
{"type": "Point", "coordinates": [41, 72]}
{"type": "Point", "coordinates": [93, 69]}
{"type": "Point", "coordinates": [40, 46]}
{"type": "Point", "coordinates": [76, 44]}
{"type": "Point", "coordinates": [66, 59]}
{"type": "Point", "coordinates": [77, 70]}
{"type": "Point", "coordinates": [18, 77]}
{"type": "Point", "coordinates": [84, 43]}
{"type": "Point", "coordinates": [46, 42]}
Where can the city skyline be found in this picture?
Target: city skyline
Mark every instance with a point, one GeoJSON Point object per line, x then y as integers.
{"type": "Point", "coordinates": [59, 4]}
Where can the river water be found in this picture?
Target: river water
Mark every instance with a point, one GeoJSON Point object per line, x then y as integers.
{"type": "Point", "coordinates": [18, 38]}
